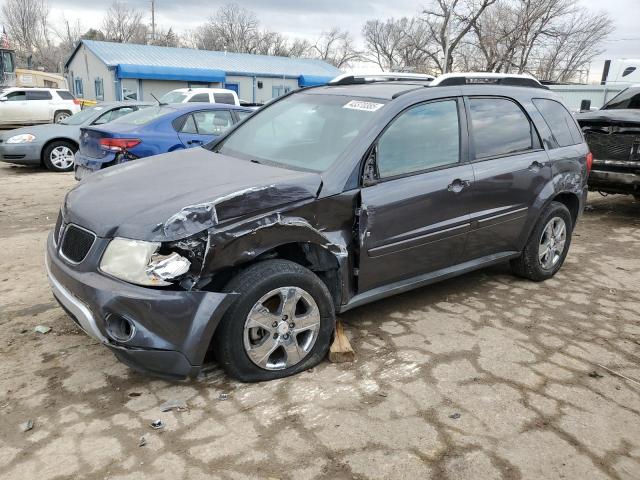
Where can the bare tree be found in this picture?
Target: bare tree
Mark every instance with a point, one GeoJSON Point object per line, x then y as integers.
{"type": "Point", "coordinates": [337, 48]}
{"type": "Point", "coordinates": [449, 21]}
{"type": "Point", "coordinates": [123, 24]}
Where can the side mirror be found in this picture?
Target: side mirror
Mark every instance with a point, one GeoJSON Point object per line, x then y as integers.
{"type": "Point", "coordinates": [370, 171]}
{"type": "Point", "coordinates": [585, 105]}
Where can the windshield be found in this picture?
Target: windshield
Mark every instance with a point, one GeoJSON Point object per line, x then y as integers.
{"type": "Point", "coordinates": [82, 116]}
{"type": "Point", "coordinates": [628, 98]}
{"type": "Point", "coordinates": [302, 131]}
{"type": "Point", "coordinates": [144, 116]}
{"type": "Point", "coordinates": [173, 97]}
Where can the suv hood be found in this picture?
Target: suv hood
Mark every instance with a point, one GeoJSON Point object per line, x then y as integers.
{"type": "Point", "coordinates": [613, 117]}
{"type": "Point", "coordinates": [175, 195]}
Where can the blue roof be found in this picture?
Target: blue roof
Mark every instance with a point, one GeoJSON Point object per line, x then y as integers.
{"type": "Point", "coordinates": [178, 61]}
{"type": "Point", "coordinates": [170, 73]}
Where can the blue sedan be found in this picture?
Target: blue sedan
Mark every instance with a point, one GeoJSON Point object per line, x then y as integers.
{"type": "Point", "coordinates": [154, 130]}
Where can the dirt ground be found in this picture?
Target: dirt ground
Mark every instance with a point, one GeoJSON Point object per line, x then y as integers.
{"type": "Point", "coordinates": [484, 376]}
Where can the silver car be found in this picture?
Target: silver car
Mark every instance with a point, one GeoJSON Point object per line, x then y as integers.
{"type": "Point", "coordinates": [54, 145]}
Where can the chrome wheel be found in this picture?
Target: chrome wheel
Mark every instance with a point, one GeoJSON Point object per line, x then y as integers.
{"type": "Point", "coordinates": [61, 157]}
{"type": "Point", "coordinates": [281, 328]}
{"type": "Point", "coordinates": [552, 243]}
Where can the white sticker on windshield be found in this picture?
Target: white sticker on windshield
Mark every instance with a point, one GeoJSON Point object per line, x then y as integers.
{"type": "Point", "coordinates": [97, 109]}
{"type": "Point", "coordinates": [366, 106]}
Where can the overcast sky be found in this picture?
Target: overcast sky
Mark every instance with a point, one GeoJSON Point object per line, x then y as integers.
{"type": "Point", "coordinates": [304, 18]}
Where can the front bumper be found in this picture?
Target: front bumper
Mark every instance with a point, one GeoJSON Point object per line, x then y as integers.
{"type": "Point", "coordinates": [21, 153]}
{"type": "Point", "coordinates": [172, 330]}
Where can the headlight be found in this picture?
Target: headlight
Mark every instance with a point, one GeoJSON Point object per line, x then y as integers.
{"type": "Point", "coordinates": [136, 262]}
{"type": "Point", "coordinates": [23, 138]}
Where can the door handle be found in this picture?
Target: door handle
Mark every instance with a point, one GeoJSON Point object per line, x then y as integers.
{"type": "Point", "coordinates": [458, 185]}
{"type": "Point", "coordinates": [194, 142]}
{"type": "Point", "coordinates": [536, 166]}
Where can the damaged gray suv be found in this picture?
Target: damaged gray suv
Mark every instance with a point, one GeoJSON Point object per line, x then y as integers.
{"type": "Point", "coordinates": [329, 198]}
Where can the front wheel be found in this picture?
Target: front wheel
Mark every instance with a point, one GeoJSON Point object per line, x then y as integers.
{"type": "Point", "coordinates": [548, 245]}
{"type": "Point", "coordinates": [281, 323]}
{"type": "Point", "coordinates": [59, 156]}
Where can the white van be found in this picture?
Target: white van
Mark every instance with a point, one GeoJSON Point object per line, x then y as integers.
{"type": "Point", "coordinates": [205, 95]}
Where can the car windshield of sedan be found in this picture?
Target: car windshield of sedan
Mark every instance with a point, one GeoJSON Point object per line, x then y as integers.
{"type": "Point", "coordinates": [302, 131]}
{"type": "Point", "coordinates": [144, 116]}
{"type": "Point", "coordinates": [82, 116]}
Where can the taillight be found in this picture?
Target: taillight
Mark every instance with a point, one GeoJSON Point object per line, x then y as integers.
{"type": "Point", "coordinates": [589, 161]}
{"type": "Point", "coordinates": [77, 102]}
{"type": "Point", "coordinates": [118, 144]}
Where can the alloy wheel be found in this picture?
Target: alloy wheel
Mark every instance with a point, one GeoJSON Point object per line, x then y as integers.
{"type": "Point", "coordinates": [281, 328]}
{"type": "Point", "coordinates": [61, 157]}
{"type": "Point", "coordinates": [552, 243]}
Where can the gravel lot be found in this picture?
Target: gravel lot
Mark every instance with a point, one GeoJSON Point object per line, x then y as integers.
{"type": "Point", "coordinates": [483, 376]}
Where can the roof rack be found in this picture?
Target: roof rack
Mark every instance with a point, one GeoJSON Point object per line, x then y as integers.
{"type": "Point", "coordinates": [348, 79]}
{"type": "Point", "coordinates": [487, 78]}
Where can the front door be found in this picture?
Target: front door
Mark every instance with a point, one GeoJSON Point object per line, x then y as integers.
{"type": "Point", "coordinates": [14, 108]}
{"type": "Point", "coordinates": [510, 168]}
{"type": "Point", "coordinates": [415, 219]}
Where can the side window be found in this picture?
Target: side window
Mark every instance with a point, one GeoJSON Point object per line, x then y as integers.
{"type": "Point", "coordinates": [242, 115]}
{"type": "Point", "coordinates": [226, 98]}
{"type": "Point", "coordinates": [99, 88]}
{"type": "Point", "coordinates": [16, 96]}
{"type": "Point", "coordinates": [200, 97]}
{"type": "Point", "coordinates": [425, 136]}
{"type": "Point", "coordinates": [560, 122]}
{"type": "Point", "coordinates": [64, 95]}
{"type": "Point", "coordinates": [213, 122]}
{"type": "Point", "coordinates": [628, 71]}
{"type": "Point", "coordinates": [499, 127]}
{"type": "Point", "coordinates": [78, 87]}
{"type": "Point", "coordinates": [38, 95]}
{"type": "Point", "coordinates": [189, 126]}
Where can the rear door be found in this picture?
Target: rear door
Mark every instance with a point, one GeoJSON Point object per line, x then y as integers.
{"type": "Point", "coordinates": [39, 105]}
{"type": "Point", "coordinates": [415, 219]}
{"type": "Point", "coordinates": [202, 127]}
{"type": "Point", "coordinates": [510, 169]}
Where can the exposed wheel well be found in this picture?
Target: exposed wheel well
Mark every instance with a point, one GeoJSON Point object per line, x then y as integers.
{"type": "Point", "coordinates": [312, 256]}
{"type": "Point", "coordinates": [570, 201]}
{"type": "Point", "coordinates": [44, 147]}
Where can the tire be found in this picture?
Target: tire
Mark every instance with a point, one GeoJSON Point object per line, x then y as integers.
{"type": "Point", "coordinates": [58, 156]}
{"type": "Point", "coordinates": [531, 263]}
{"type": "Point", "coordinates": [60, 116]}
{"type": "Point", "coordinates": [636, 197]}
{"type": "Point", "coordinates": [239, 343]}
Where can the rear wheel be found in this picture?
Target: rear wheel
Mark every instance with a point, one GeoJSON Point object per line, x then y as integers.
{"type": "Point", "coordinates": [60, 116]}
{"type": "Point", "coordinates": [281, 323]}
{"type": "Point", "coordinates": [59, 156]}
{"type": "Point", "coordinates": [548, 245]}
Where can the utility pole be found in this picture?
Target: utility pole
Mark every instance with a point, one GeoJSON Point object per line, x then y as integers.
{"type": "Point", "coordinates": [153, 21]}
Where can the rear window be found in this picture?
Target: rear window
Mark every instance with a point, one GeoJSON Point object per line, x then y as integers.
{"type": "Point", "coordinates": [200, 97]}
{"type": "Point", "coordinates": [144, 116]}
{"type": "Point", "coordinates": [499, 127]}
{"type": "Point", "coordinates": [560, 122]}
{"type": "Point", "coordinates": [226, 98]}
{"type": "Point", "coordinates": [38, 95]}
{"type": "Point", "coordinates": [64, 94]}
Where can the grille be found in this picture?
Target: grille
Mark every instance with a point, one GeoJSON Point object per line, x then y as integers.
{"type": "Point", "coordinates": [611, 146]}
{"type": "Point", "coordinates": [76, 243]}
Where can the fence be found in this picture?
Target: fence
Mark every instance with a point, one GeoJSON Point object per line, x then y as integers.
{"type": "Point", "coordinates": [572, 95]}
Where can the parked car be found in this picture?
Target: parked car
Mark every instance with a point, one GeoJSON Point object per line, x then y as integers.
{"type": "Point", "coordinates": [154, 130]}
{"type": "Point", "coordinates": [29, 106]}
{"type": "Point", "coordinates": [324, 200]}
{"type": "Point", "coordinates": [613, 135]}
{"type": "Point", "coordinates": [55, 145]}
{"type": "Point", "coordinates": [201, 95]}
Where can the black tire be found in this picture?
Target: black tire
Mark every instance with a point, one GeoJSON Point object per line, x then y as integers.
{"type": "Point", "coordinates": [61, 115]}
{"type": "Point", "coordinates": [636, 197]}
{"type": "Point", "coordinates": [252, 284]}
{"type": "Point", "coordinates": [49, 149]}
{"type": "Point", "coordinates": [528, 264]}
